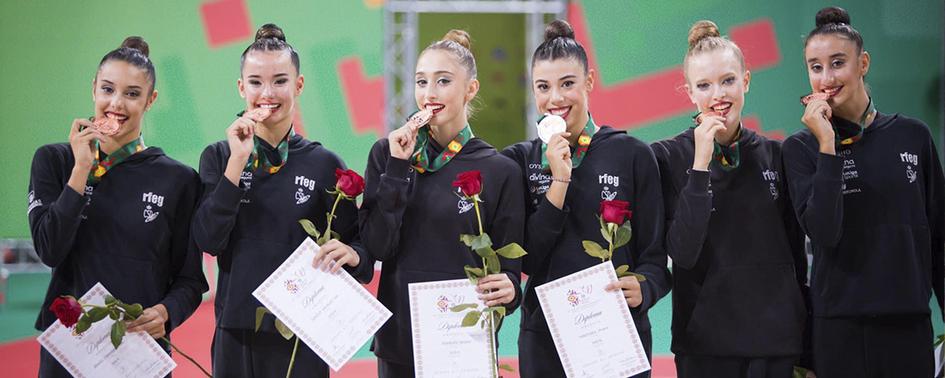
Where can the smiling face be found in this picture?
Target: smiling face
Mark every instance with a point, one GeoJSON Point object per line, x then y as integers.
{"type": "Point", "coordinates": [717, 82]}
{"type": "Point", "coordinates": [443, 86]}
{"type": "Point", "coordinates": [836, 67]}
{"type": "Point", "coordinates": [561, 87]}
{"type": "Point", "coordinates": [270, 81]}
{"type": "Point", "coordinates": [123, 92]}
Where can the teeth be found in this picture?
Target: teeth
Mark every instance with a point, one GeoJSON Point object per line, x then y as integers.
{"type": "Point", "coordinates": [559, 112]}
{"type": "Point", "coordinates": [721, 107]}
{"type": "Point", "coordinates": [435, 107]}
{"type": "Point", "coordinates": [268, 106]}
{"type": "Point", "coordinates": [116, 116]}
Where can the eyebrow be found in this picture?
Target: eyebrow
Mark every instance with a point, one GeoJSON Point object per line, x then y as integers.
{"type": "Point", "coordinates": [106, 81]}
{"type": "Point", "coordinates": [565, 77]}
{"type": "Point", "coordinates": [837, 55]}
{"type": "Point", "coordinates": [259, 77]}
{"type": "Point", "coordinates": [436, 73]}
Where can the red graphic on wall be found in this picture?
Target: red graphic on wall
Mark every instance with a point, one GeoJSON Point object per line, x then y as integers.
{"type": "Point", "coordinates": [225, 21]}
{"type": "Point", "coordinates": [364, 96]}
{"type": "Point", "coordinates": [659, 95]}
{"type": "Point", "coordinates": [752, 122]}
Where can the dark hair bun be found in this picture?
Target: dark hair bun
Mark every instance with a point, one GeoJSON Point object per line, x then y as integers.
{"type": "Point", "coordinates": [832, 15]}
{"type": "Point", "coordinates": [137, 43]}
{"type": "Point", "coordinates": [270, 31]}
{"type": "Point", "coordinates": [702, 29]}
{"type": "Point", "coordinates": [558, 28]}
{"type": "Point", "coordinates": [459, 36]}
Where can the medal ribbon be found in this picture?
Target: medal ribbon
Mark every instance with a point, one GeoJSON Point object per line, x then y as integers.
{"type": "Point", "coordinates": [254, 158]}
{"type": "Point", "coordinates": [101, 166]}
{"type": "Point", "coordinates": [578, 153]}
{"type": "Point", "coordinates": [421, 162]}
{"type": "Point", "coordinates": [729, 157]}
{"type": "Point", "coordinates": [847, 133]}
{"type": "Point", "coordinates": [258, 158]}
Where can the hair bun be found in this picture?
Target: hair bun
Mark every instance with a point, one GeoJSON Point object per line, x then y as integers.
{"type": "Point", "coordinates": [270, 31]}
{"type": "Point", "coordinates": [459, 36]}
{"type": "Point", "coordinates": [137, 43]}
{"type": "Point", "coordinates": [702, 29]}
{"type": "Point", "coordinates": [832, 15]}
{"type": "Point", "coordinates": [558, 28]}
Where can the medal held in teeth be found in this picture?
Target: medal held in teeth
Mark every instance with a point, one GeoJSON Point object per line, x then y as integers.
{"type": "Point", "coordinates": [549, 125]}
{"type": "Point", "coordinates": [257, 114]}
{"type": "Point", "coordinates": [419, 118]}
{"type": "Point", "coordinates": [814, 96]}
{"type": "Point", "coordinates": [697, 119]}
{"type": "Point", "coordinates": [107, 125]}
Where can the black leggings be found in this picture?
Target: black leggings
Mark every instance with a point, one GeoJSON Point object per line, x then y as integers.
{"type": "Point", "coordinates": [248, 354]}
{"type": "Point", "coordinates": [697, 366]}
{"type": "Point", "coordinates": [390, 369]}
{"type": "Point", "coordinates": [882, 346]}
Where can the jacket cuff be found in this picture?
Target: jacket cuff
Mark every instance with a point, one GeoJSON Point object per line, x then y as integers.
{"type": "Point", "coordinates": [829, 168]}
{"type": "Point", "coordinates": [397, 168]}
{"type": "Point", "coordinates": [698, 182]}
{"type": "Point", "coordinates": [71, 203]}
{"type": "Point", "coordinates": [228, 194]}
{"type": "Point", "coordinates": [549, 216]}
{"type": "Point", "coordinates": [364, 272]}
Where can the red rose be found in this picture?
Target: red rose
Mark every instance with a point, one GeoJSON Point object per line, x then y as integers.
{"type": "Point", "coordinates": [67, 310]}
{"type": "Point", "coordinates": [349, 182]}
{"type": "Point", "coordinates": [469, 182]}
{"type": "Point", "coordinates": [615, 211]}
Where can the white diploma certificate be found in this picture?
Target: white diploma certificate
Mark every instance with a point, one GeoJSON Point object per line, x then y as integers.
{"type": "Point", "coordinates": [591, 327]}
{"type": "Point", "coordinates": [331, 313]}
{"type": "Point", "coordinates": [442, 347]}
{"type": "Point", "coordinates": [93, 355]}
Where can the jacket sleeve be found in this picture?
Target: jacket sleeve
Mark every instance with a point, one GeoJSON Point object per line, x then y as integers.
{"type": "Point", "coordinates": [544, 223]}
{"type": "Point", "coordinates": [219, 206]}
{"type": "Point", "coordinates": [935, 211]}
{"type": "Point", "coordinates": [508, 226]}
{"type": "Point", "coordinates": [187, 283]}
{"type": "Point", "coordinates": [797, 240]}
{"type": "Point", "coordinates": [687, 212]}
{"type": "Point", "coordinates": [815, 183]}
{"type": "Point", "coordinates": [387, 181]}
{"type": "Point", "coordinates": [55, 210]}
{"type": "Point", "coordinates": [647, 222]}
{"type": "Point", "coordinates": [798, 246]}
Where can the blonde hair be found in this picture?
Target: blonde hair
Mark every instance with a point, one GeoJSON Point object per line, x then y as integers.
{"type": "Point", "coordinates": [456, 42]}
{"type": "Point", "coordinates": [704, 36]}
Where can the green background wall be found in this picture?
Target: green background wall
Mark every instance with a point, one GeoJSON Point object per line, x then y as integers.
{"type": "Point", "coordinates": [50, 51]}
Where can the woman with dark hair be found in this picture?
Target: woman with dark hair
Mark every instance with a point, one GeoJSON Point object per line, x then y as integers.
{"type": "Point", "coordinates": [867, 188]}
{"type": "Point", "coordinates": [412, 215]}
{"type": "Point", "coordinates": [106, 208]}
{"type": "Point", "coordinates": [566, 180]}
{"type": "Point", "coordinates": [738, 280]}
{"type": "Point", "coordinates": [258, 183]}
